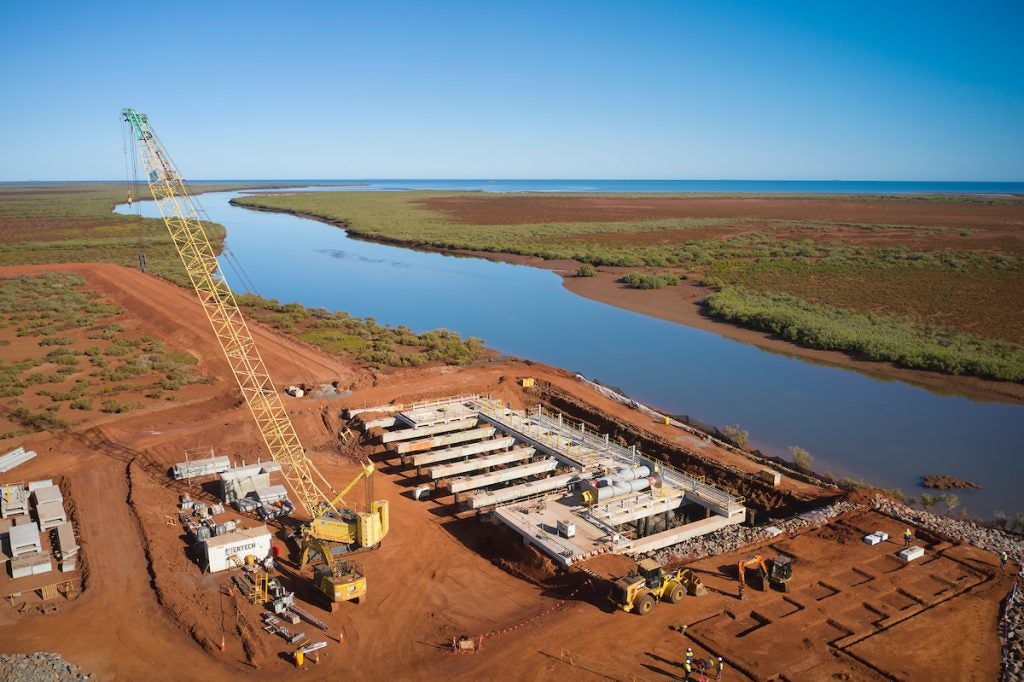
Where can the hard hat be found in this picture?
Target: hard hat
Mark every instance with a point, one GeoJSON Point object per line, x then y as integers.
{"type": "Point", "coordinates": [719, 658]}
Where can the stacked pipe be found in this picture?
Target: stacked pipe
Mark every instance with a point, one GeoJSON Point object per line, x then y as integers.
{"type": "Point", "coordinates": [624, 481]}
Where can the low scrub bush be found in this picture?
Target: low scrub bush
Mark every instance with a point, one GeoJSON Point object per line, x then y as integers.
{"type": "Point", "coordinates": [636, 280]}
{"type": "Point", "coordinates": [586, 270]}
{"type": "Point", "coordinates": [886, 338]}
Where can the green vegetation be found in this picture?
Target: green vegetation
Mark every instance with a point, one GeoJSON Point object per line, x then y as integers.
{"type": "Point", "coordinates": [366, 341]}
{"type": "Point", "coordinates": [948, 297]}
{"type": "Point", "coordinates": [636, 280]}
{"type": "Point", "coordinates": [401, 217]}
{"type": "Point", "coordinates": [586, 270]}
{"type": "Point", "coordinates": [736, 435]}
{"type": "Point", "coordinates": [886, 338]}
{"type": "Point", "coordinates": [57, 308]}
{"type": "Point", "coordinates": [801, 457]}
{"type": "Point", "coordinates": [75, 223]}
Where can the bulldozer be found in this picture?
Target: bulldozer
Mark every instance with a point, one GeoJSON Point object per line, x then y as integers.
{"type": "Point", "coordinates": [641, 589]}
{"type": "Point", "coordinates": [780, 573]}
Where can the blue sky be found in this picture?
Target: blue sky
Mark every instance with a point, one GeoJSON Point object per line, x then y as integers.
{"type": "Point", "coordinates": [689, 90]}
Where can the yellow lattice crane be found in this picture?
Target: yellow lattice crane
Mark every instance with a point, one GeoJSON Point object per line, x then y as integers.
{"type": "Point", "coordinates": [331, 522]}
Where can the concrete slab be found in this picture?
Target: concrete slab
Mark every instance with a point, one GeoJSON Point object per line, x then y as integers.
{"type": "Point", "coordinates": [428, 416]}
{"type": "Point", "coordinates": [50, 493]}
{"type": "Point", "coordinates": [537, 524]}
{"type": "Point", "coordinates": [24, 540]}
{"type": "Point", "coordinates": [51, 514]}
{"type": "Point", "coordinates": [66, 540]}
{"type": "Point", "coordinates": [911, 553]}
{"type": "Point", "coordinates": [35, 563]}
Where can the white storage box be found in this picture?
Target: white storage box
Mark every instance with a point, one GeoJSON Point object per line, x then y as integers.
{"type": "Point", "coordinates": [872, 539]}
{"type": "Point", "coordinates": [224, 550]}
{"type": "Point", "coordinates": [911, 553]}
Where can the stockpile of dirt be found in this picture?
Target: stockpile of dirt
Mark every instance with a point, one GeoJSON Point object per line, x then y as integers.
{"type": "Point", "coordinates": [38, 667]}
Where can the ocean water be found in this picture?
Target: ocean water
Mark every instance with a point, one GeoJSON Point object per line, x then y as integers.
{"type": "Point", "coordinates": [692, 186]}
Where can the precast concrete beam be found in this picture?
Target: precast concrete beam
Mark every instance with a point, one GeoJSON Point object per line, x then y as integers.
{"type": "Point", "coordinates": [425, 458]}
{"type": "Point", "coordinates": [512, 473]}
{"type": "Point", "coordinates": [441, 441]}
{"type": "Point", "coordinates": [409, 434]}
{"type": "Point", "coordinates": [477, 463]}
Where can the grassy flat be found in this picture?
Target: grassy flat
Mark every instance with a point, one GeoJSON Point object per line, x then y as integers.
{"type": "Point", "coordinates": [937, 273]}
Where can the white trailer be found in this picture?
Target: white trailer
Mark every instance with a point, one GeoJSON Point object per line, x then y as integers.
{"type": "Point", "coordinates": [230, 549]}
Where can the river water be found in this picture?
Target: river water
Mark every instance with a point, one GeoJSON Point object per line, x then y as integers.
{"type": "Point", "coordinates": [887, 433]}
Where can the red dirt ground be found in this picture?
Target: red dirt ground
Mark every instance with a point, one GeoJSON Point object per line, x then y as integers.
{"type": "Point", "coordinates": [148, 612]}
{"type": "Point", "coordinates": [524, 210]}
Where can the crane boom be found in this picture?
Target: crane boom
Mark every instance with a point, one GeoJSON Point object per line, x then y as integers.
{"type": "Point", "coordinates": [181, 216]}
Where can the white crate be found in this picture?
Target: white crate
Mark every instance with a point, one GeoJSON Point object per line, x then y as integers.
{"type": "Point", "coordinates": [872, 539]}
{"type": "Point", "coordinates": [911, 553]}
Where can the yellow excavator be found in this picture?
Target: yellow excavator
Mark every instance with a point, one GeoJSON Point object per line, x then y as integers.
{"type": "Point", "coordinates": [780, 573]}
{"type": "Point", "coordinates": [335, 580]}
{"type": "Point", "coordinates": [334, 525]}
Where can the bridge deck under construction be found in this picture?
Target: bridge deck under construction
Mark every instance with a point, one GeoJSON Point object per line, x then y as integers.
{"type": "Point", "coordinates": [466, 438]}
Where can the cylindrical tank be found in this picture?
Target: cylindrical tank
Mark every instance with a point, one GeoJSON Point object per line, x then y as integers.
{"type": "Point", "coordinates": [630, 473]}
{"type": "Point", "coordinates": [639, 484]}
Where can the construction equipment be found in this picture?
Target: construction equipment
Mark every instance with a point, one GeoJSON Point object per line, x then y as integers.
{"type": "Point", "coordinates": [780, 573]}
{"type": "Point", "coordinates": [332, 520]}
{"type": "Point", "coordinates": [340, 581]}
{"type": "Point", "coordinates": [335, 579]}
{"type": "Point", "coordinates": [649, 583]}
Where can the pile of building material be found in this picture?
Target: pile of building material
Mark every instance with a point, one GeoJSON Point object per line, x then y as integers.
{"type": "Point", "coordinates": [67, 546]}
{"type": "Point", "coordinates": [24, 539]}
{"type": "Point", "coordinates": [200, 467]}
{"type": "Point", "coordinates": [15, 458]}
{"type": "Point", "coordinates": [241, 481]}
{"type": "Point", "coordinates": [13, 500]}
{"type": "Point", "coordinates": [49, 507]}
{"type": "Point", "coordinates": [273, 502]}
{"type": "Point", "coordinates": [26, 550]}
{"type": "Point", "coordinates": [35, 563]}
{"type": "Point", "coordinates": [273, 625]}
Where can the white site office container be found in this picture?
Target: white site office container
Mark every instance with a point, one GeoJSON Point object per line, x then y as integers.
{"type": "Point", "coordinates": [219, 550]}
